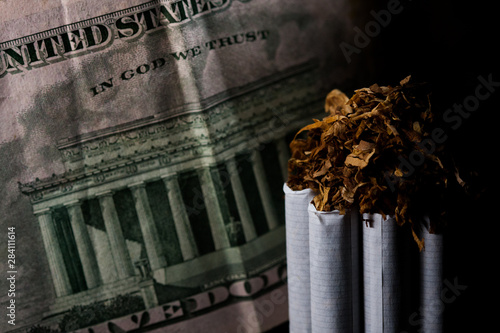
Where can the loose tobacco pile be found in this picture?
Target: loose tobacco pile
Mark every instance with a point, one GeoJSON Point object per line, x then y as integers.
{"type": "Point", "coordinates": [377, 152]}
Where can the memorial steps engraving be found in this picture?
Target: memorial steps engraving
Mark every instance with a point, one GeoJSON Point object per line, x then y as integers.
{"type": "Point", "coordinates": [112, 230]}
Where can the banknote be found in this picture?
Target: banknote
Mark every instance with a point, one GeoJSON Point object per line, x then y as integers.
{"type": "Point", "coordinates": [144, 146]}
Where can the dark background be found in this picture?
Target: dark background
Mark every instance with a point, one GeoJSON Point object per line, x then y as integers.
{"type": "Point", "coordinates": [449, 44]}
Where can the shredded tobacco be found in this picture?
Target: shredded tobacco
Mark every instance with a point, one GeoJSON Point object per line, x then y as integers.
{"type": "Point", "coordinates": [379, 152]}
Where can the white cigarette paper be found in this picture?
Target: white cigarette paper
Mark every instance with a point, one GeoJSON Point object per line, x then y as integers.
{"type": "Point", "coordinates": [381, 273]}
{"type": "Point", "coordinates": [431, 281]}
{"type": "Point", "coordinates": [297, 251]}
{"type": "Point", "coordinates": [331, 250]}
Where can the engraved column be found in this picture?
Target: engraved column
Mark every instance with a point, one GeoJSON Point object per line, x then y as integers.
{"type": "Point", "coordinates": [283, 157]}
{"type": "Point", "coordinates": [148, 228]}
{"type": "Point", "coordinates": [58, 271]}
{"type": "Point", "coordinates": [215, 215]}
{"type": "Point", "coordinates": [114, 231]}
{"type": "Point", "coordinates": [181, 220]}
{"type": "Point", "coordinates": [84, 245]}
{"type": "Point", "coordinates": [264, 191]}
{"type": "Point", "coordinates": [241, 201]}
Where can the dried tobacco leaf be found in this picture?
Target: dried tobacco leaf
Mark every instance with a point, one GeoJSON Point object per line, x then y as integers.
{"type": "Point", "coordinates": [361, 154]}
{"type": "Point", "coordinates": [368, 153]}
{"type": "Point", "coordinates": [336, 103]}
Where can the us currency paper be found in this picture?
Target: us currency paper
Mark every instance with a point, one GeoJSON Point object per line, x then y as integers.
{"type": "Point", "coordinates": [143, 148]}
